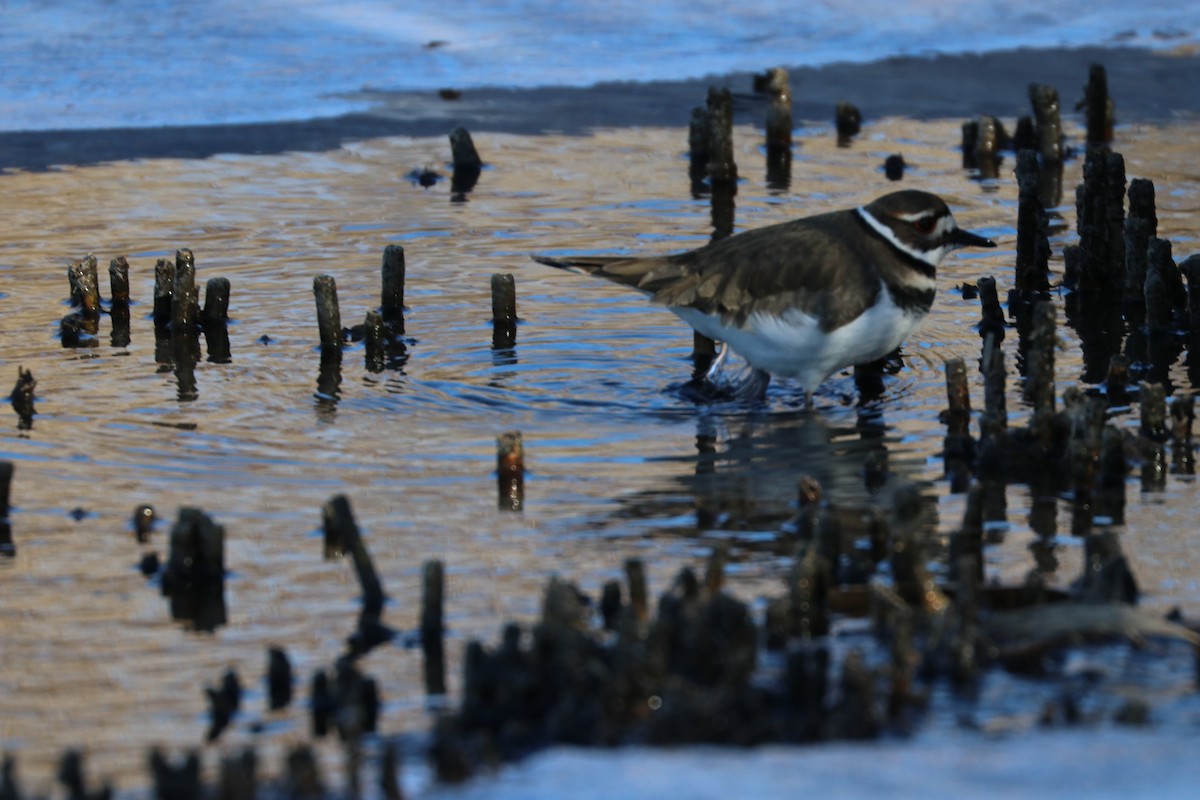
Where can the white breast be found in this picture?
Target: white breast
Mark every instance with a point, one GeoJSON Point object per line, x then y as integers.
{"type": "Point", "coordinates": [792, 345]}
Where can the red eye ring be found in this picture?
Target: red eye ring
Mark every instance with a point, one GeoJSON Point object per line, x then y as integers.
{"type": "Point", "coordinates": [925, 225]}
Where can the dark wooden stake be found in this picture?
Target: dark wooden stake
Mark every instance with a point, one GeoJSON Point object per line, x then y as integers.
{"type": "Point", "coordinates": [337, 515]}
{"type": "Point", "coordinates": [992, 322]}
{"type": "Point", "coordinates": [392, 306]}
{"type": "Point", "coordinates": [1164, 289]}
{"type": "Point", "coordinates": [1114, 467]}
{"type": "Point", "coordinates": [987, 147]}
{"type": "Point", "coordinates": [216, 302]}
{"type": "Point", "coordinates": [1048, 122]}
{"type": "Point", "coordinates": [1190, 268]}
{"type": "Point", "coordinates": [329, 317]}
{"type": "Point", "coordinates": [504, 298]}
{"type": "Point", "coordinates": [432, 627]}
{"type": "Point", "coordinates": [639, 603]}
{"type": "Point", "coordinates": [993, 421]}
{"type": "Point", "coordinates": [893, 167]}
{"type": "Point", "coordinates": [164, 288]}
{"type": "Point", "coordinates": [1183, 417]}
{"type": "Point", "coordinates": [970, 135]}
{"type": "Point", "coordinates": [721, 166]}
{"type": "Point", "coordinates": [779, 125]}
{"type": "Point", "coordinates": [1152, 402]}
{"type": "Point", "coordinates": [848, 120]}
{"type": "Point", "coordinates": [279, 679]}
{"type": "Point", "coordinates": [1033, 248]}
{"type": "Point", "coordinates": [504, 311]}
{"type": "Point", "coordinates": [118, 280]}
{"type": "Point", "coordinates": [85, 287]}
{"type": "Point", "coordinates": [467, 163]}
{"type": "Point", "coordinates": [238, 779]}
{"type": "Point", "coordinates": [6, 476]}
{"type": "Point", "coordinates": [698, 148]}
{"type": "Point", "coordinates": [1141, 225]}
{"type": "Point", "coordinates": [1099, 106]}
{"type": "Point", "coordinates": [1039, 377]}
{"type": "Point", "coordinates": [183, 312]}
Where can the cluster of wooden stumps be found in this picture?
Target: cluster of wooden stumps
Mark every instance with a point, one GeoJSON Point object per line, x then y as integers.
{"type": "Point", "coordinates": [179, 319]}
{"type": "Point", "coordinates": [703, 669]}
{"type": "Point", "coordinates": [239, 777]}
{"type": "Point", "coordinates": [342, 700]}
{"type": "Point", "coordinates": [382, 331]}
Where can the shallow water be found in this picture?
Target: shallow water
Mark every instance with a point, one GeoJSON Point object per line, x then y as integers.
{"type": "Point", "coordinates": [620, 463]}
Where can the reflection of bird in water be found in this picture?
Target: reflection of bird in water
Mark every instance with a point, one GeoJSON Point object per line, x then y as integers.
{"type": "Point", "coordinates": [745, 480]}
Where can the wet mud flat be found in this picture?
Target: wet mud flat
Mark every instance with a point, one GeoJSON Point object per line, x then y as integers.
{"type": "Point", "coordinates": [626, 475]}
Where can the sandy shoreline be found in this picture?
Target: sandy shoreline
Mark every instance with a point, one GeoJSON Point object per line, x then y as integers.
{"type": "Point", "coordinates": [1148, 86]}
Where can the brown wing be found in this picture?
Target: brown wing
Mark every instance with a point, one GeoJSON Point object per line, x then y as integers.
{"type": "Point", "coordinates": [790, 265]}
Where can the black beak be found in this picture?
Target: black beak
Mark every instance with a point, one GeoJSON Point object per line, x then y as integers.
{"type": "Point", "coordinates": [960, 238]}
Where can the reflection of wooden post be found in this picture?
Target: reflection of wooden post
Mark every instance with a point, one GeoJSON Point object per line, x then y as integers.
{"type": "Point", "coordinates": [375, 341]}
{"type": "Point", "coordinates": [510, 471]}
{"type": "Point", "coordinates": [958, 449]}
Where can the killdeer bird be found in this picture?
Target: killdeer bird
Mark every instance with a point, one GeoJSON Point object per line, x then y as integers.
{"type": "Point", "coordinates": [805, 298]}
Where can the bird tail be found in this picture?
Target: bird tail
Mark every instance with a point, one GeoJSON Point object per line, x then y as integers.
{"type": "Point", "coordinates": [585, 265]}
{"type": "Point", "coordinates": [623, 270]}
{"type": "Point", "coordinates": [646, 274]}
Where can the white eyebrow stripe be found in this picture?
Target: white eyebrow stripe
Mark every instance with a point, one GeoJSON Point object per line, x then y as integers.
{"type": "Point", "coordinates": [931, 257]}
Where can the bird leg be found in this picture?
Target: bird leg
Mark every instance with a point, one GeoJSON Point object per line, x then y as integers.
{"type": "Point", "coordinates": [714, 369]}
